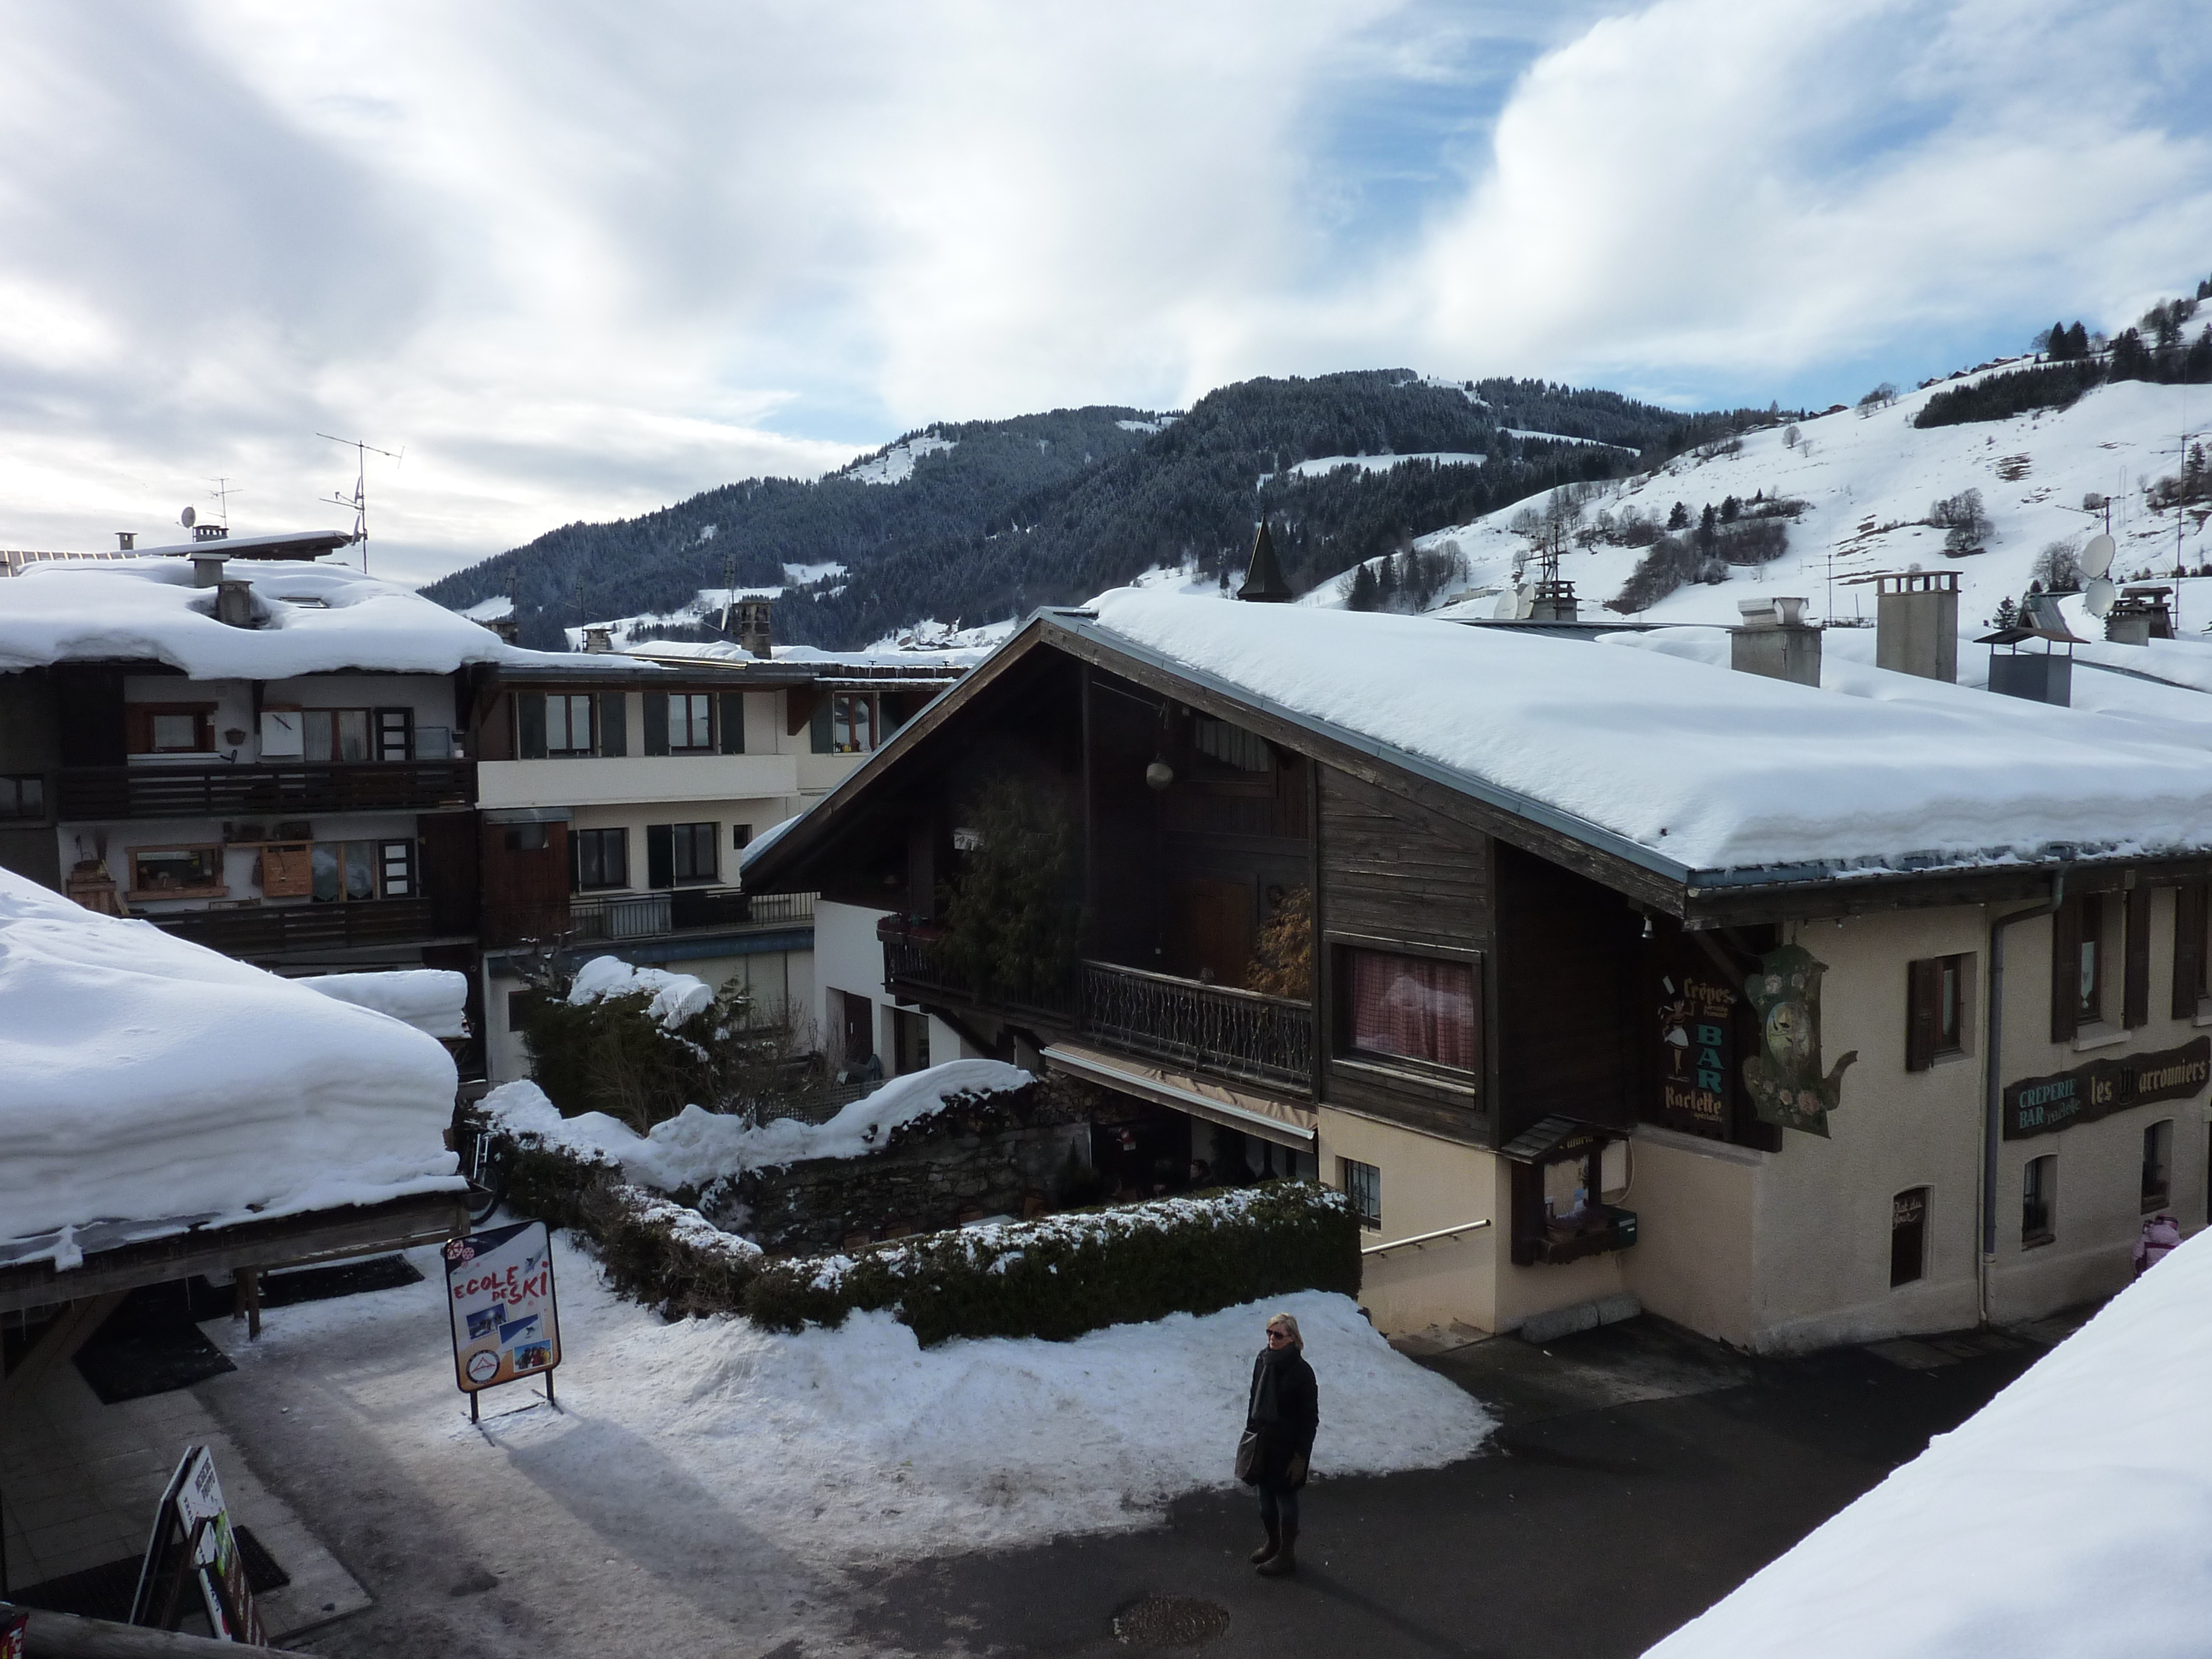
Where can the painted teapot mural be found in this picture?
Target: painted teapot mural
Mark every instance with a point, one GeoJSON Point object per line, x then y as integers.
{"type": "Point", "coordinates": [1784, 1078]}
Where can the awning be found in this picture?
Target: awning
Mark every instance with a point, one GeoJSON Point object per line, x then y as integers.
{"type": "Point", "coordinates": [1553, 1139]}
{"type": "Point", "coordinates": [1278, 1121]}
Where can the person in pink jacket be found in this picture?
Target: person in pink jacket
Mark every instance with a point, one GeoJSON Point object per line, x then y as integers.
{"type": "Point", "coordinates": [2161, 1234]}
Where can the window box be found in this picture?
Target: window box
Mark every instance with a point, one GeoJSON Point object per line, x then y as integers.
{"type": "Point", "coordinates": [1605, 1228]}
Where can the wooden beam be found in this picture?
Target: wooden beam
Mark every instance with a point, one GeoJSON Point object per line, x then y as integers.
{"type": "Point", "coordinates": [66, 1635]}
{"type": "Point", "coordinates": [59, 1342]}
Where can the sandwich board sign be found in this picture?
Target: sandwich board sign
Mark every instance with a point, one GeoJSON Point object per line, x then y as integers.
{"type": "Point", "coordinates": [499, 1289]}
{"type": "Point", "coordinates": [194, 1547]}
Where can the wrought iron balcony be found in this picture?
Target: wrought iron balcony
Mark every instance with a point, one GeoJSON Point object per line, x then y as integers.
{"type": "Point", "coordinates": [1240, 1034]}
{"type": "Point", "coordinates": [269, 930]}
{"type": "Point", "coordinates": [620, 918]}
{"type": "Point", "coordinates": [156, 791]}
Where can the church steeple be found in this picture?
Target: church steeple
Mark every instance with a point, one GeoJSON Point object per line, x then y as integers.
{"type": "Point", "coordinates": [1263, 578]}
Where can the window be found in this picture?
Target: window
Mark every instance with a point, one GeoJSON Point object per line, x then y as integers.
{"type": "Point", "coordinates": [602, 858]}
{"type": "Point", "coordinates": [1233, 748]}
{"type": "Point", "coordinates": [343, 871]}
{"type": "Point", "coordinates": [2038, 1201]}
{"type": "Point", "coordinates": [1362, 1184]}
{"type": "Point", "coordinates": [740, 836]}
{"type": "Point", "coordinates": [678, 852]}
{"type": "Point", "coordinates": [395, 868]}
{"type": "Point", "coordinates": [1908, 1236]}
{"type": "Point", "coordinates": [1936, 1020]}
{"type": "Point", "coordinates": [852, 723]}
{"type": "Point", "coordinates": [335, 734]}
{"type": "Point", "coordinates": [909, 1041]}
{"type": "Point", "coordinates": [2089, 960]}
{"type": "Point", "coordinates": [690, 722]}
{"type": "Point", "coordinates": [568, 725]}
{"type": "Point", "coordinates": [2158, 1165]}
{"type": "Point", "coordinates": [170, 728]}
{"type": "Point", "coordinates": [2192, 908]}
{"type": "Point", "coordinates": [176, 872]}
{"type": "Point", "coordinates": [23, 797]}
{"type": "Point", "coordinates": [523, 837]}
{"type": "Point", "coordinates": [1405, 1007]}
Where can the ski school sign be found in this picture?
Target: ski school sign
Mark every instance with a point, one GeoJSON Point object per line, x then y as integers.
{"type": "Point", "coordinates": [2044, 1105]}
{"type": "Point", "coordinates": [499, 1288]}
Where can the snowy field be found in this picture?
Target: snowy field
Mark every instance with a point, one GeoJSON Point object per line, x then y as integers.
{"type": "Point", "coordinates": [839, 1447]}
{"type": "Point", "coordinates": [2067, 1519]}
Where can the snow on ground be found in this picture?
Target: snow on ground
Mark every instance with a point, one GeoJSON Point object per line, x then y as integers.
{"type": "Point", "coordinates": [434, 1000]}
{"type": "Point", "coordinates": [849, 1446]}
{"type": "Point", "coordinates": [1157, 423]}
{"type": "Point", "coordinates": [1314, 468]}
{"type": "Point", "coordinates": [676, 997]}
{"type": "Point", "coordinates": [309, 618]}
{"type": "Point", "coordinates": [1869, 482]}
{"type": "Point", "coordinates": [698, 1147]}
{"type": "Point", "coordinates": [150, 1081]}
{"type": "Point", "coordinates": [2064, 1520]}
{"type": "Point", "coordinates": [893, 464]}
{"type": "Point", "coordinates": [1709, 770]}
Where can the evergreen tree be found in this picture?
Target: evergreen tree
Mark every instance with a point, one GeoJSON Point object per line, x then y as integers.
{"type": "Point", "coordinates": [1680, 517]}
{"type": "Point", "coordinates": [2131, 359]}
{"type": "Point", "coordinates": [1708, 529]}
{"type": "Point", "coordinates": [1387, 584]}
{"type": "Point", "coordinates": [1363, 589]}
{"type": "Point", "coordinates": [2007, 611]}
{"type": "Point", "coordinates": [1731, 509]}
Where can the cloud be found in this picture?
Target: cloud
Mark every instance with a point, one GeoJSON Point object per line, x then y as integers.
{"type": "Point", "coordinates": [581, 261]}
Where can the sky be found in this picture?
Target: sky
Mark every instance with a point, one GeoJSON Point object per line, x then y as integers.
{"type": "Point", "coordinates": [566, 260]}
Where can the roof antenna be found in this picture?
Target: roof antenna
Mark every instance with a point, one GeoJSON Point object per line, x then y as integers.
{"type": "Point", "coordinates": [359, 500]}
{"type": "Point", "coordinates": [221, 496]}
{"type": "Point", "coordinates": [729, 586]}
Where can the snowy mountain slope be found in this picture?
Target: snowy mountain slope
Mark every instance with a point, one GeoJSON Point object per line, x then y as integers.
{"type": "Point", "coordinates": [1868, 483]}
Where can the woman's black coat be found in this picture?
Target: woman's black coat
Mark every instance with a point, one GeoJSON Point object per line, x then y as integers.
{"type": "Point", "coordinates": [1284, 1413]}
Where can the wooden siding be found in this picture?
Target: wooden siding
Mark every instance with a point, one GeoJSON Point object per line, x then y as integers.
{"type": "Point", "coordinates": [1567, 959]}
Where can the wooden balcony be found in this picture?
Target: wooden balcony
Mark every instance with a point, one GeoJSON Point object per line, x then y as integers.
{"type": "Point", "coordinates": [1240, 1036]}
{"type": "Point", "coordinates": [222, 791]}
{"type": "Point", "coordinates": [276, 930]}
{"type": "Point", "coordinates": [622, 918]}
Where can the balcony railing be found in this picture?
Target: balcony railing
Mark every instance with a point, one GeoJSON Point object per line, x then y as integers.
{"type": "Point", "coordinates": [618, 918]}
{"type": "Point", "coordinates": [1241, 1036]}
{"type": "Point", "coordinates": [1211, 1028]}
{"type": "Point", "coordinates": [212, 792]}
{"type": "Point", "coordinates": [273, 930]}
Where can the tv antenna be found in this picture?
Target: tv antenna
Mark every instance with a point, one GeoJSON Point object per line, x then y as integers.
{"type": "Point", "coordinates": [729, 586]}
{"type": "Point", "coordinates": [359, 500]}
{"type": "Point", "coordinates": [221, 495]}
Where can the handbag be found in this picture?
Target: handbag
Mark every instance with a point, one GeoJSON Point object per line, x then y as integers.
{"type": "Point", "coordinates": [1248, 1457]}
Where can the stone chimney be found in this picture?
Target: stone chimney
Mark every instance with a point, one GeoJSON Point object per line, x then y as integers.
{"type": "Point", "coordinates": [755, 635]}
{"type": "Point", "coordinates": [598, 642]}
{"type": "Point", "coordinates": [1776, 641]}
{"type": "Point", "coordinates": [234, 602]}
{"type": "Point", "coordinates": [207, 567]}
{"type": "Point", "coordinates": [1917, 624]}
{"type": "Point", "coordinates": [1263, 577]}
{"type": "Point", "coordinates": [126, 541]}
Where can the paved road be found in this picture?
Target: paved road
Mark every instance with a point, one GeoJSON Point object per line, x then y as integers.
{"type": "Point", "coordinates": [1600, 1521]}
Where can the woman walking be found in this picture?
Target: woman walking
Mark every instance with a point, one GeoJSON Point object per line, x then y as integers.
{"type": "Point", "coordinates": [1279, 1422]}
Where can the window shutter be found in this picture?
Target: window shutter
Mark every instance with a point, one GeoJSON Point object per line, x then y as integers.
{"type": "Point", "coordinates": [396, 861]}
{"type": "Point", "coordinates": [530, 713]}
{"type": "Point", "coordinates": [893, 706]}
{"type": "Point", "coordinates": [395, 734]}
{"type": "Point", "coordinates": [1923, 1016]}
{"type": "Point", "coordinates": [2188, 926]}
{"type": "Point", "coordinates": [732, 717]}
{"type": "Point", "coordinates": [819, 728]}
{"type": "Point", "coordinates": [660, 840]}
{"type": "Point", "coordinates": [2065, 970]}
{"type": "Point", "coordinates": [138, 730]}
{"type": "Point", "coordinates": [656, 722]}
{"type": "Point", "coordinates": [614, 724]}
{"type": "Point", "coordinates": [2134, 996]}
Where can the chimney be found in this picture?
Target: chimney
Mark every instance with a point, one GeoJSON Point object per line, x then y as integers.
{"type": "Point", "coordinates": [1917, 624]}
{"type": "Point", "coordinates": [2141, 616]}
{"type": "Point", "coordinates": [207, 568]}
{"type": "Point", "coordinates": [1263, 577]}
{"type": "Point", "coordinates": [1555, 601]}
{"type": "Point", "coordinates": [234, 602]}
{"type": "Point", "coordinates": [1776, 641]}
{"type": "Point", "coordinates": [753, 633]}
{"type": "Point", "coordinates": [126, 540]}
{"type": "Point", "coordinates": [598, 642]}
{"type": "Point", "coordinates": [209, 532]}
{"type": "Point", "coordinates": [2039, 676]}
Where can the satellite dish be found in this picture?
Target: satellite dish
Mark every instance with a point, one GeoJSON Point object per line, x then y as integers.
{"type": "Point", "coordinates": [1508, 605]}
{"type": "Point", "coordinates": [2097, 597]}
{"type": "Point", "coordinates": [188, 518]}
{"type": "Point", "coordinates": [1524, 604]}
{"type": "Point", "coordinates": [2097, 556]}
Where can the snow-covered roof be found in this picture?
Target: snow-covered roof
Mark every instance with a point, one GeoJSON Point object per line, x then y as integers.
{"type": "Point", "coordinates": [805, 656]}
{"type": "Point", "coordinates": [2067, 1517]}
{"type": "Point", "coordinates": [265, 544]}
{"type": "Point", "coordinates": [148, 1086]}
{"type": "Point", "coordinates": [1688, 769]}
{"type": "Point", "coordinates": [310, 619]}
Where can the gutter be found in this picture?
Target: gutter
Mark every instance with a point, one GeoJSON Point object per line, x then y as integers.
{"type": "Point", "coordinates": [1992, 1083]}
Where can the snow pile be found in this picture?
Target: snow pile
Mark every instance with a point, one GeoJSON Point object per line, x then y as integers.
{"type": "Point", "coordinates": [309, 619]}
{"type": "Point", "coordinates": [2065, 1519]}
{"type": "Point", "coordinates": [697, 1147]}
{"type": "Point", "coordinates": [147, 1081]}
{"type": "Point", "coordinates": [1708, 771]}
{"type": "Point", "coordinates": [434, 1000]}
{"type": "Point", "coordinates": [676, 997]}
{"type": "Point", "coordinates": [853, 1445]}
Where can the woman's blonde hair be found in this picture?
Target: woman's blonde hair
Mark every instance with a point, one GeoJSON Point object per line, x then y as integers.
{"type": "Point", "coordinates": [1289, 1324]}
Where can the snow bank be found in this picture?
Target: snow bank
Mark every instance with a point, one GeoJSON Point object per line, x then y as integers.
{"type": "Point", "coordinates": [310, 619]}
{"type": "Point", "coordinates": [2064, 1520]}
{"type": "Point", "coordinates": [697, 1146]}
{"type": "Point", "coordinates": [1712, 771]}
{"type": "Point", "coordinates": [857, 1444]}
{"type": "Point", "coordinates": [676, 997]}
{"type": "Point", "coordinates": [434, 1000]}
{"type": "Point", "coordinates": [147, 1081]}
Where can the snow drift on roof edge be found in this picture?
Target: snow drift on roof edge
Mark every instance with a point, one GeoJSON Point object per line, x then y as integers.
{"type": "Point", "coordinates": [1712, 771]}
{"type": "Point", "coordinates": [144, 1078]}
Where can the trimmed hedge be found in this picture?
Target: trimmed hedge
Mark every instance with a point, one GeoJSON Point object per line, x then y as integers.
{"type": "Point", "coordinates": [1055, 1278]}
